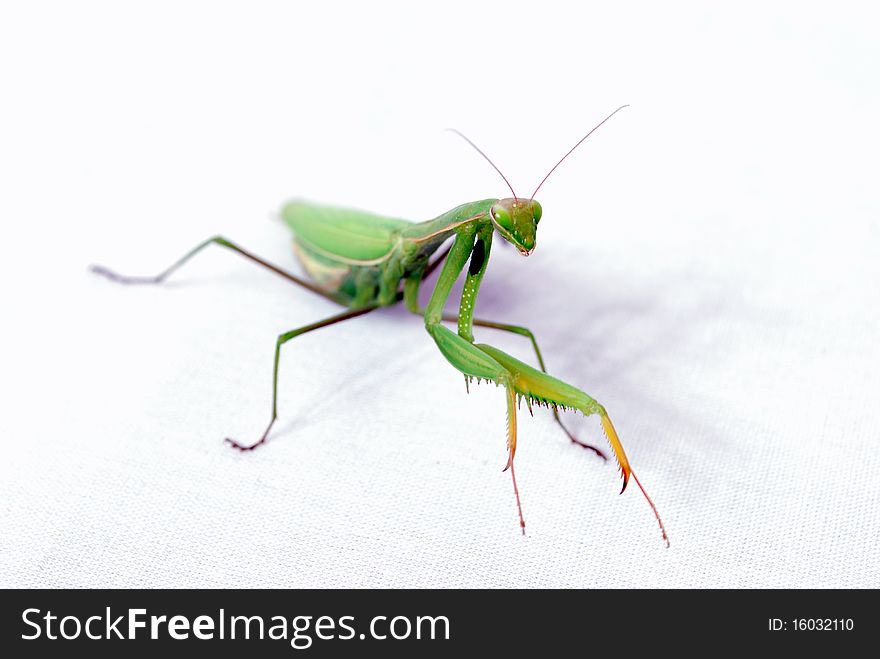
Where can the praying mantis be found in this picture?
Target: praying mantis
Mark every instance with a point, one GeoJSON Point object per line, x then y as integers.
{"type": "Point", "coordinates": [365, 262]}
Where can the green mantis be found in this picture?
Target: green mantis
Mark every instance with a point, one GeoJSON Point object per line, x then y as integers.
{"type": "Point", "coordinates": [364, 262]}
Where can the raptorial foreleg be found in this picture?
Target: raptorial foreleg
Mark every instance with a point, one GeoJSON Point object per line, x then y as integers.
{"type": "Point", "coordinates": [542, 389]}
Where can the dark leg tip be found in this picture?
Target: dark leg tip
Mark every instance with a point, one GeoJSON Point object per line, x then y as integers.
{"type": "Point", "coordinates": [250, 447]}
{"type": "Point", "coordinates": [122, 279]}
{"type": "Point", "coordinates": [589, 447]}
{"type": "Point", "coordinates": [243, 447]}
{"type": "Point", "coordinates": [575, 440]}
{"type": "Point", "coordinates": [102, 271]}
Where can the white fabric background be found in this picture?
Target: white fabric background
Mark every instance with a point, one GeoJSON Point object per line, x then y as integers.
{"type": "Point", "coordinates": [707, 268]}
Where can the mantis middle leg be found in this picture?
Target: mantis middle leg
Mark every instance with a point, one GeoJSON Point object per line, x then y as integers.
{"type": "Point", "coordinates": [282, 339]}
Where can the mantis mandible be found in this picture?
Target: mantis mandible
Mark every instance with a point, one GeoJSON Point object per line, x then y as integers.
{"type": "Point", "coordinates": [364, 261]}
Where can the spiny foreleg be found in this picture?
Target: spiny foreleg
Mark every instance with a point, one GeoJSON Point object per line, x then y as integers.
{"type": "Point", "coordinates": [526, 332]}
{"type": "Point", "coordinates": [542, 389]}
{"type": "Point", "coordinates": [475, 363]}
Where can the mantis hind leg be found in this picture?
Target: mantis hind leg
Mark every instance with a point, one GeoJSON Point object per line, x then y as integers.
{"type": "Point", "coordinates": [524, 331]}
{"type": "Point", "coordinates": [222, 242]}
{"type": "Point", "coordinates": [282, 339]}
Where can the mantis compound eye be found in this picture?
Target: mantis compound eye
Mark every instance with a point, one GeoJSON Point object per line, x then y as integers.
{"type": "Point", "coordinates": [501, 217]}
{"type": "Point", "coordinates": [536, 211]}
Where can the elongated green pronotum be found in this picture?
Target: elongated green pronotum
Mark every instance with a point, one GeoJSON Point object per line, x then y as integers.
{"type": "Point", "coordinates": [364, 262]}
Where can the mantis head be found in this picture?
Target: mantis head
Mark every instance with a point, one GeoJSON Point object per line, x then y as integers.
{"type": "Point", "coordinates": [517, 222]}
{"type": "Point", "coordinates": [515, 218]}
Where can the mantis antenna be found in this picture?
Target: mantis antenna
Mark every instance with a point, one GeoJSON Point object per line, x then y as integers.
{"type": "Point", "coordinates": [570, 150]}
{"type": "Point", "coordinates": [489, 160]}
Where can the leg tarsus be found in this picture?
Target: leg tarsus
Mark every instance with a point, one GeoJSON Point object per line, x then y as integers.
{"type": "Point", "coordinates": [654, 510]}
{"type": "Point", "coordinates": [123, 279]}
{"type": "Point", "coordinates": [250, 447]}
{"type": "Point", "coordinates": [522, 521]}
{"type": "Point", "coordinates": [575, 440]}
{"type": "Point", "coordinates": [162, 276]}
